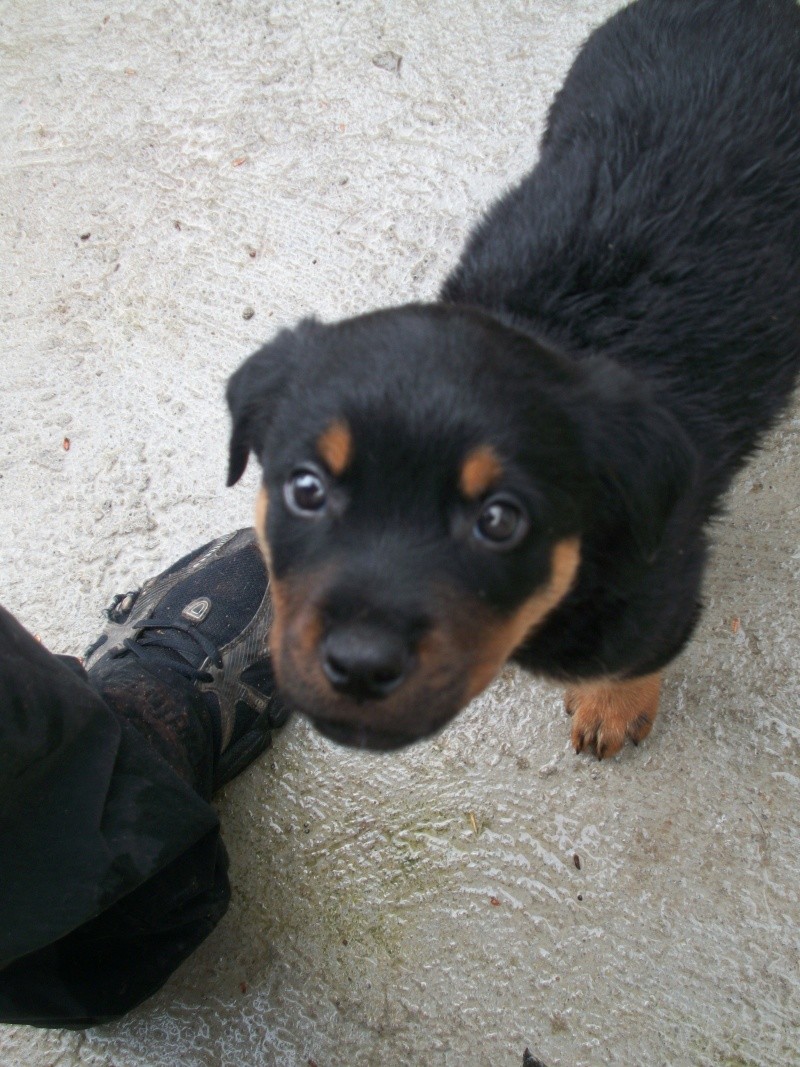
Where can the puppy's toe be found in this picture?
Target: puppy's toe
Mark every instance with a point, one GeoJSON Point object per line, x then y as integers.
{"type": "Point", "coordinates": [641, 726]}
{"type": "Point", "coordinates": [604, 714]}
{"type": "Point", "coordinates": [594, 729]}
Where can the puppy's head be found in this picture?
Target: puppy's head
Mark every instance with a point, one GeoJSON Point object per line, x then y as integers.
{"type": "Point", "coordinates": [425, 489]}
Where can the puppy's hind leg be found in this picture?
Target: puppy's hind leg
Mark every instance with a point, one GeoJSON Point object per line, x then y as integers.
{"type": "Point", "coordinates": [607, 712]}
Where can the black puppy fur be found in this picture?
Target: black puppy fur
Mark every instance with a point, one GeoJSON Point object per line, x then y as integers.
{"type": "Point", "coordinates": [621, 329]}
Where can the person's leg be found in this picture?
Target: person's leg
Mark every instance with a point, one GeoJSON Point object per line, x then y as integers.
{"type": "Point", "coordinates": [112, 866]}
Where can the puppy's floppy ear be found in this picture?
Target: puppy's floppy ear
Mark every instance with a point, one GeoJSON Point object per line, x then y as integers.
{"type": "Point", "coordinates": [254, 391]}
{"type": "Point", "coordinates": [644, 460]}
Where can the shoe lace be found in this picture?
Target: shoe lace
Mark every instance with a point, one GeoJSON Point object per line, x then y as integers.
{"type": "Point", "coordinates": [147, 648]}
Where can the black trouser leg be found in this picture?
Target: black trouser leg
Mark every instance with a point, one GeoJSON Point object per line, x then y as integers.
{"type": "Point", "coordinates": [111, 866]}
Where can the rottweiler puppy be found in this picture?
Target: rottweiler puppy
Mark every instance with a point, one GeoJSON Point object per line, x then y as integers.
{"type": "Point", "coordinates": [525, 468]}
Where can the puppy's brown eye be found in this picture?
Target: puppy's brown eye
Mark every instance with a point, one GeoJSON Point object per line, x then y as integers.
{"type": "Point", "coordinates": [502, 524]}
{"type": "Point", "coordinates": [305, 493]}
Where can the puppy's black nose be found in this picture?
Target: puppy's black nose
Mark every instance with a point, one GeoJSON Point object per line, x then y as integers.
{"type": "Point", "coordinates": [364, 660]}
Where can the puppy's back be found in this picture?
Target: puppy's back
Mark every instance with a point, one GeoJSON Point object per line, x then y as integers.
{"type": "Point", "coordinates": [661, 225]}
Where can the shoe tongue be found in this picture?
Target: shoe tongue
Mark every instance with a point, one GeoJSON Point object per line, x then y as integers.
{"type": "Point", "coordinates": [218, 601]}
{"type": "Point", "coordinates": [196, 610]}
{"type": "Point", "coordinates": [176, 641]}
{"type": "Point", "coordinates": [175, 645]}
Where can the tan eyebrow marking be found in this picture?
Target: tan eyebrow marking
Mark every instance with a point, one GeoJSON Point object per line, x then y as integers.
{"type": "Point", "coordinates": [335, 447]}
{"type": "Point", "coordinates": [480, 471]}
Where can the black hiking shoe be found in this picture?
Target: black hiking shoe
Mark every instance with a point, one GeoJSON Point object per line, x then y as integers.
{"type": "Point", "coordinates": [185, 659]}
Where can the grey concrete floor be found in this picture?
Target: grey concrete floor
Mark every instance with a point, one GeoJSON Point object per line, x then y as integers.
{"type": "Point", "coordinates": [166, 166]}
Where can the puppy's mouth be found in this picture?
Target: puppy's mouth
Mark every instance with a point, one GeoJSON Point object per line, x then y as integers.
{"type": "Point", "coordinates": [400, 720]}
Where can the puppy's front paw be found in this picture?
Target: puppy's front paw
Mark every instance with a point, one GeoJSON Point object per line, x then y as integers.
{"type": "Point", "coordinates": [607, 712]}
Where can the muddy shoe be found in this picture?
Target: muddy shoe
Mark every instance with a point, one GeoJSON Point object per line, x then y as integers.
{"type": "Point", "coordinates": [185, 660]}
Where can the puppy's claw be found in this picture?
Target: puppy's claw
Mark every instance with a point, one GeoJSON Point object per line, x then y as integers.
{"type": "Point", "coordinates": [605, 714]}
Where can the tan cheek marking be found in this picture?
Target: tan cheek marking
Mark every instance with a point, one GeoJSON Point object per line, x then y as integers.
{"type": "Point", "coordinates": [297, 625]}
{"type": "Point", "coordinates": [504, 639]}
{"type": "Point", "coordinates": [278, 625]}
{"type": "Point", "coordinates": [335, 447]}
{"type": "Point", "coordinates": [481, 470]}
{"type": "Point", "coordinates": [435, 655]}
{"type": "Point", "coordinates": [607, 711]}
{"type": "Point", "coordinates": [305, 631]}
{"type": "Point", "coordinates": [262, 506]}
